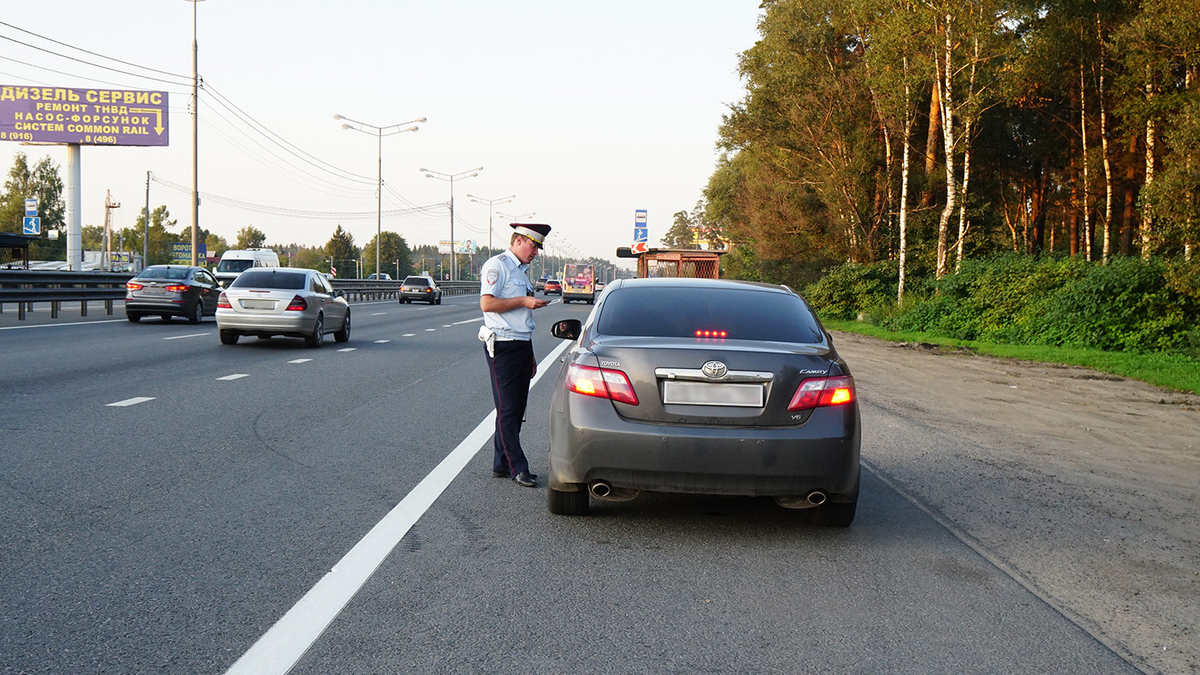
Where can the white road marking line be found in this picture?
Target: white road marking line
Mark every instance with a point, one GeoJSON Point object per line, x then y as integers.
{"type": "Point", "coordinates": [447, 325]}
{"type": "Point", "coordinates": [71, 323]}
{"type": "Point", "coordinates": [183, 337]}
{"type": "Point", "coordinates": [408, 335]}
{"type": "Point", "coordinates": [378, 313]}
{"type": "Point", "coordinates": [235, 376]}
{"type": "Point", "coordinates": [282, 646]}
{"type": "Point", "coordinates": [430, 330]}
{"type": "Point", "coordinates": [382, 342]}
{"type": "Point", "coordinates": [348, 349]}
{"type": "Point", "coordinates": [467, 321]}
{"type": "Point", "coordinates": [130, 401]}
{"type": "Point", "coordinates": [300, 361]}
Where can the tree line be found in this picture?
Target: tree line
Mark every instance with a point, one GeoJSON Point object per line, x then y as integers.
{"type": "Point", "coordinates": [926, 133]}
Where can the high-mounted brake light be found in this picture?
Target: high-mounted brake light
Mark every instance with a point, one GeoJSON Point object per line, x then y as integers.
{"type": "Point", "coordinates": [601, 383]}
{"type": "Point", "coordinates": [712, 334]}
{"type": "Point", "coordinates": [823, 391]}
{"type": "Point", "coordinates": [223, 302]}
{"type": "Point", "coordinates": [297, 305]}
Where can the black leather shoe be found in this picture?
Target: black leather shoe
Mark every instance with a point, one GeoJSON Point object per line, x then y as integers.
{"type": "Point", "coordinates": [525, 479]}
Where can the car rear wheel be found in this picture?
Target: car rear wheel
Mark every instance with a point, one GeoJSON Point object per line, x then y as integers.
{"type": "Point", "coordinates": [318, 334]}
{"type": "Point", "coordinates": [439, 300]}
{"type": "Point", "coordinates": [197, 314]}
{"type": "Point", "coordinates": [831, 514]}
{"type": "Point", "coordinates": [228, 337]}
{"type": "Point", "coordinates": [134, 317]}
{"type": "Point", "coordinates": [343, 335]}
{"type": "Point", "coordinates": [567, 503]}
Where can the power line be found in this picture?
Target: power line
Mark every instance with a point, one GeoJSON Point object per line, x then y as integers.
{"type": "Point", "coordinates": [88, 63]}
{"type": "Point", "coordinates": [85, 51]}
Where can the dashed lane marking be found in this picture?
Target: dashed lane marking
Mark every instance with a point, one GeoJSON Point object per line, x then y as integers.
{"type": "Point", "coordinates": [430, 330]}
{"type": "Point", "coordinates": [299, 360]}
{"type": "Point", "coordinates": [348, 349]}
{"type": "Point", "coordinates": [382, 342]}
{"type": "Point", "coordinates": [235, 376]}
{"type": "Point", "coordinates": [130, 401]}
{"type": "Point", "coordinates": [459, 323]}
{"type": "Point", "coordinates": [184, 337]}
{"type": "Point", "coordinates": [408, 335]}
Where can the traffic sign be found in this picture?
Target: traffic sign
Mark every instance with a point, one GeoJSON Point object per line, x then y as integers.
{"type": "Point", "coordinates": [31, 205]}
{"type": "Point", "coordinates": [638, 247]}
{"type": "Point", "coordinates": [639, 216]}
{"type": "Point", "coordinates": [32, 225]}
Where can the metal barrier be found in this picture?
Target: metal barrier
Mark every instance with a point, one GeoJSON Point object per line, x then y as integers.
{"type": "Point", "coordinates": [24, 288]}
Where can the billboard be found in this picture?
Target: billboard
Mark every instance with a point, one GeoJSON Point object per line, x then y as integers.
{"type": "Point", "coordinates": [181, 253]}
{"type": "Point", "coordinates": [462, 247]}
{"type": "Point", "coordinates": [83, 116]}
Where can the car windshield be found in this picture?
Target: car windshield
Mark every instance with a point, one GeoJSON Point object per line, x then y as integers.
{"type": "Point", "coordinates": [289, 281]}
{"type": "Point", "coordinates": [738, 314]}
{"type": "Point", "coordinates": [164, 273]}
{"type": "Point", "coordinates": [234, 265]}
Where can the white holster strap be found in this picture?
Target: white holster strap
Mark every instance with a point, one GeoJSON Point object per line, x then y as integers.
{"type": "Point", "coordinates": [489, 339]}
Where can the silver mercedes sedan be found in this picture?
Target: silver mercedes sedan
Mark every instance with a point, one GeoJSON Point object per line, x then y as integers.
{"type": "Point", "coordinates": [703, 386]}
{"type": "Point", "coordinates": [287, 301]}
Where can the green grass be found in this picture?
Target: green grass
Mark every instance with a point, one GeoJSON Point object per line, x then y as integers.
{"type": "Point", "coordinates": [1173, 371]}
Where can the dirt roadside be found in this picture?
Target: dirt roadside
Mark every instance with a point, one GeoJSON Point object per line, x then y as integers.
{"type": "Point", "coordinates": [1085, 484]}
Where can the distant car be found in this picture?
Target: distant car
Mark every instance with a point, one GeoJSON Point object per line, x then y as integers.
{"type": "Point", "coordinates": [552, 286]}
{"type": "Point", "coordinates": [420, 289]}
{"type": "Point", "coordinates": [172, 290]}
{"type": "Point", "coordinates": [540, 283]}
{"type": "Point", "coordinates": [599, 287]}
{"type": "Point", "coordinates": [703, 386]}
{"type": "Point", "coordinates": [287, 301]}
{"type": "Point", "coordinates": [384, 276]}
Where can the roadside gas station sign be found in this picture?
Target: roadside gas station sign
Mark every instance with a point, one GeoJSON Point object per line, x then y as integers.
{"type": "Point", "coordinates": [83, 116]}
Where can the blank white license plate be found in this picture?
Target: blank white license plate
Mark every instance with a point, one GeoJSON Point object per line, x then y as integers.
{"type": "Point", "coordinates": [704, 393]}
{"type": "Point", "coordinates": [258, 304]}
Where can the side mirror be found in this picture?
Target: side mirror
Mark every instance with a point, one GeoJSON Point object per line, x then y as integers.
{"type": "Point", "coordinates": [567, 329]}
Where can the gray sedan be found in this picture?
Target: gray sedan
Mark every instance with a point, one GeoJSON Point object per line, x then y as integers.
{"type": "Point", "coordinates": [288, 301]}
{"type": "Point", "coordinates": [703, 386]}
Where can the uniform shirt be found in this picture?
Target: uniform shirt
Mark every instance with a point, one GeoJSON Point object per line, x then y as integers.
{"type": "Point", "coordinates": [503, 276]}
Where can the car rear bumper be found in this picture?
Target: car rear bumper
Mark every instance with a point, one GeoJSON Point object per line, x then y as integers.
{"type": "Point", "coordinates": [592, 443]}
{"type": "Point", "coordinates": [419, 297]}
{"type": "Point", "coordinates": [293, 323]}
{"type": "Point", "coordinates": [177, 307]}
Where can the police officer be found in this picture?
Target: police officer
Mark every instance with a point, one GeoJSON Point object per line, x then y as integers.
{"type": "Point", "coordinates": [507, 300]}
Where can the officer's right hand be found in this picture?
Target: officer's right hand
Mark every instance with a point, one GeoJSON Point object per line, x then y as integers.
{"type": "Point", "coordinates": [533, 303]}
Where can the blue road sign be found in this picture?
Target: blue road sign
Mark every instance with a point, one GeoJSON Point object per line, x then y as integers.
{"type": "Point", "coordinates": [641, 234]}
{"type": "Point", "coordinates": [31, 205]}
{"type": "Point", "coordinates": [32, 225]}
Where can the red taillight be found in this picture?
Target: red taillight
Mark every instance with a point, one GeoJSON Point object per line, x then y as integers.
{"type": "Point", "coordinates": [297, 305]}
{"type": "Point", "coordinates": [601, 383]}
{"type": "Point", "coordinates": [129, 285]}
{"type": "Point", "coordinates": [175, 288]}
{"type": "Point", "coordinates": [720, 334]}
{"type": "Point", "coordinates": [223, 302]}
{"type": "Point", "coordinates": [823, 391]}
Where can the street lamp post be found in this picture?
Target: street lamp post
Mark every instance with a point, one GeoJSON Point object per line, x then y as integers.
{"type": "Point", "coordinates": [491, 206]}
{"type": "Point", "coordinates": [451, 177]}
{"type": "Point", "coordinates": [380, 132]}
{"type": "Point", "coordinates": [195, 135]}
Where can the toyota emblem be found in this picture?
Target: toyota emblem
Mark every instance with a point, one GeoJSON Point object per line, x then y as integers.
{"type": "Point", "coordinates": [714, 370]}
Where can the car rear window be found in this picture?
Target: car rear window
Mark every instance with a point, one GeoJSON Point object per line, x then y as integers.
{"type": "Point", "coordinates": [416, 281]}
{"type": "Point", "coordinates": [288, 281]}
{"type": "Point", "coordinates": [164, 273]}
{"type": "Point", "coordinates": [742, 314]}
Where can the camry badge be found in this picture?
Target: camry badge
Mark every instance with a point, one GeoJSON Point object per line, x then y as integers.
{"type": "Point", "coordinates": [714, 370]}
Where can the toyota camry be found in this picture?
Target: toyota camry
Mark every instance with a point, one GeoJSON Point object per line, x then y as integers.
{"type": "Point", "coordinates": [703, 386]}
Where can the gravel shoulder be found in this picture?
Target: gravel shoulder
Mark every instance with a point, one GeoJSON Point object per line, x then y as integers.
{"type": "Point", "coordinates": [1085, 485]}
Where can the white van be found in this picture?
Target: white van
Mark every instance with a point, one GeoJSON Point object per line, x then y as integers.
{"type": "Point", "coordinates": [235, 261]}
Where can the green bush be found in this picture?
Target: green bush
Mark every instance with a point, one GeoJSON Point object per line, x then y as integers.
{"type": "Point", "coordinates": [847, 289]}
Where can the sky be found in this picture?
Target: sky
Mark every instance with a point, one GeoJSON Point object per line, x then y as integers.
{"type": "Point", "coordinates": [586, 112]}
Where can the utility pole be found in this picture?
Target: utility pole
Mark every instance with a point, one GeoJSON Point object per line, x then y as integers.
{"type": "Point", "coordinates": [146, 227]}
{"type": "Point", "coordinates": [109, 205]}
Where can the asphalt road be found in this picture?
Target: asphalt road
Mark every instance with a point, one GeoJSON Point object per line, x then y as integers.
{"type": "Point", "coordinates": [170, 535]}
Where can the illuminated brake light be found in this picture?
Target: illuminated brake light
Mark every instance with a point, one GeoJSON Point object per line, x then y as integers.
{"type": "Point", "coordinates": [719, 334]}
{"type": "Point", "coordinates": [176, 289]}
{"type": "Point", "coordinates": [823, 391]}
{"type": "Point", "coordinates": [297, 305]}
{"type": "Point", "coordinates": [132, 286]}
{"type": "Point", "coordinates": [223, 302]}
{"type": "Point", "coordinates": [601, 383]}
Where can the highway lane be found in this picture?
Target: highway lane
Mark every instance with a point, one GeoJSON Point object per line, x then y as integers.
{"type": "Point", "coordinates": [154, 538]}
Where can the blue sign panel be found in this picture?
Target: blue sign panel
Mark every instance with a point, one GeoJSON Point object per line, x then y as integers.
{"type": "Point", "coordinates": [181, 253]}
{"type": "Point", "coordinates": [641, 234]}
{"type": "Point", "coordinates": [32, 225]}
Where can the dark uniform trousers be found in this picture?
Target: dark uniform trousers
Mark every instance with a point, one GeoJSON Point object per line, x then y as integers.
{"type": "Point", "coordinates": [511, 370]}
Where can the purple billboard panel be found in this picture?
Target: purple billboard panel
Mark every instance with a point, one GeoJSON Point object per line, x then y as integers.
{"type": "Point", "coordinates": [83, 116]}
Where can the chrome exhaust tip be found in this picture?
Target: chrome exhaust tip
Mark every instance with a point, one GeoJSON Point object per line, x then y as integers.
{"type": "Point", "coordinates": [600, 488]}
{"type": "Point", "coordinates": [816, 498]}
